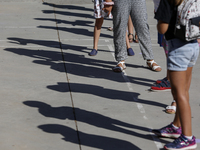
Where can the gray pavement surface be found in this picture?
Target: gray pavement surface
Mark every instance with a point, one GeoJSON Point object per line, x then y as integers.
{"type": "Point", "coordinates": [55, 97]}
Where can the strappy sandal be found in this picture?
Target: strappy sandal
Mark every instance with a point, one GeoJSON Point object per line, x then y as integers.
{"type": "Point", "coordinates": [136, 38]}
{"type": "Point", "coordinates": [120, 67]}
{"type": "Point", "coordinates": [171, 109]}
{"type": "Point", "coordinates": [153, 67]}
{"type": "Point", "coordinates": [130, 39]}
{"type": "Point", "coordinates": [110, 28]}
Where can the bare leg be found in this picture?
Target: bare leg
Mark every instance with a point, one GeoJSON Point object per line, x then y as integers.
{"type": "Point", "coordinates": [130, 30]}
{"type": "Point", "coordinates": [180, 84]}
{"type": "Point", "coordinates": [127, 42]}
{"type": "Point", "coordinates": [97, 31]}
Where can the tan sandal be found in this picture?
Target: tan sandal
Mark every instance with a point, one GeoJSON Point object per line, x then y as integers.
{"type": "Point", "coordinates": [136, 38]}
{"type": "Point", "coordinates": [153, 65]}
{"type": "Point", "coordinates": [120, 67]}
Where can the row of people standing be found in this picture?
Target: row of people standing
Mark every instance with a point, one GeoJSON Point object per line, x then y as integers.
{"type": "Point", "coordinates": [179, 72]}
{"type": "Point", "coordinates": [121, 10]}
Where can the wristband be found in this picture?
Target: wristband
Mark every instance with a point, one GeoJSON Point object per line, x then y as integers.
{"type": "Point", "coordinates": [108, 3]}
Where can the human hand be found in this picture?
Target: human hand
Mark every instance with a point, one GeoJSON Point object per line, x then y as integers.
{"type": "Point", "coordinates": [108, 7]}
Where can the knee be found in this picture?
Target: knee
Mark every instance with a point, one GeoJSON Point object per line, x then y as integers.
{"type": "Point", "coordinates": [99, 23]}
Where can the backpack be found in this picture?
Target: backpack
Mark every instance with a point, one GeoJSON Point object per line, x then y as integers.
{"type": "Point", "coordinates": [188, 20]}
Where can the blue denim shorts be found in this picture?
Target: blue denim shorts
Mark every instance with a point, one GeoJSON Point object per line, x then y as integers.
{"type": "Point", "coordinates": [182, 54]}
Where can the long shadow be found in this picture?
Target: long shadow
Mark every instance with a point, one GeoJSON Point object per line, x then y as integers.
{"type": "Point", "coordinates": [65, 13]}
{"type": "Point", "coordinates": [104, 92]}
{"type": "Point", "coordinates": [73, 23]}
{"type": "Point", "coordinates": [88, 117]}
{"type": "Point", "coordinates": [90, 140]}
{"type": "Point", "coordinates": [70, 7]}
{"type": "Point", "coordinates": [76, 64]}
{"type": "Point", "coordinates": [84, 32]}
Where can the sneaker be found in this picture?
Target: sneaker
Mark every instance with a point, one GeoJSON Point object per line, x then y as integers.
{"type": "Point", "coordinates": [168, 131]}
{"type": "Point", "coordinates": [163, 86]}
{"type": "Point", "coordinates": [93, 52]}
{"type": "Point", "coordinates": [159, 81]}
{"type": "Point", "coordinates": [182, 143]}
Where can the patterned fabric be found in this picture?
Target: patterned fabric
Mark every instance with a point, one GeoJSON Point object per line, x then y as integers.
{"type": "Point", "coordinates": [189, 17]}
{"type": "Point", "coordinates": [137, 10]}
{"type": "Point", "coordinates": [182, 143]}
{"type": "Point", "coordinates": [98, 12]}
{"type": "Point", "coordinates": [168, 131]}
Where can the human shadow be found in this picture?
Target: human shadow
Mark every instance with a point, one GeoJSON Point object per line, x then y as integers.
{"type": "Point", "coordinates": [90, 118]}
{"type": "Point", "coordinates": [75, 64]}
{"type": "Point", "coordinates": [84, 32]}
{"type": "Point", "coordinates": [90, 140]}
{"type": "Point", "coordinates": [111, 94]}
{"type": "Point", "coordinates": [70, 7]}
{"type": "Point", "coordinates": [73, 23]}
{"type": "Point", "coordinates": [68, 13]}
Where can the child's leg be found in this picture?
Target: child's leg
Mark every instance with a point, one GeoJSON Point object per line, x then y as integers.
{"type": "Point", "coordinates": [97, 31]}
{"type": "Point", "coordinates": [180, 83]}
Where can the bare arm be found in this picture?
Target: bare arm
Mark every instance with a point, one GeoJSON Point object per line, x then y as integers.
{"type": "Point", "coordinates": [162, 27]}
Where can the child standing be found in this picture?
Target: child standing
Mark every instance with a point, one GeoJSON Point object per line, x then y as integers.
{"type": "Point", "coordinates": [102, 9]}
{"type": "Point", "coordinates": [181, 58]}
{"type": "Point", "coordinates": [99, 13]}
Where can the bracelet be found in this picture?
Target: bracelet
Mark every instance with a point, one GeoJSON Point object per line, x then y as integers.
{"type": "Point", "coordinates": [108, 3]}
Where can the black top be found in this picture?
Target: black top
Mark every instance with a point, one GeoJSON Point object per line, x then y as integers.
{"type": "Point", "coordinates": [167, 13]}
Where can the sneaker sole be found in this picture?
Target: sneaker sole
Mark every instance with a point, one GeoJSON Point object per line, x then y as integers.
{"type": "Point", "coordinates": [167, 135]}
{"type": "Point", "coordinates": [155, 90]}
{"type": "Point", "coordinates": [193, 147]}
{"type": "Point", "coordinates": [170, 135]}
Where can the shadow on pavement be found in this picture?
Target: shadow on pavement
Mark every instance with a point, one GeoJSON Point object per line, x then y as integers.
{"type": "Point", "coordinates": [90, 118]}
{"type": "Point", "coordinates": [90, 140]}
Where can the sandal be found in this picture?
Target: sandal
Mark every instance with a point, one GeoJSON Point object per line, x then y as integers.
{"type": "Point", "coordinates": [171, 109]}
{"type": "Point", "coordinates": [110, 28]}
{"type": "Point", "coordinates": [153, 65]}
{"type": "Point", "coordinates": [136, 38]}
{"type": "Point", "coordinates": [120, 67]}
{"type": "Point", "coordinates": [130, 39]}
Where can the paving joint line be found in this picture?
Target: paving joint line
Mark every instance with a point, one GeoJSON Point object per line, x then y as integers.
{"type": "Point", "coordinates": [74, 113]}
{"type": "Point", "coordinates": [139, 106]}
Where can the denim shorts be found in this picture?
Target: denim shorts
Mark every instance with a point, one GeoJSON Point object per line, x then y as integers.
{"type": "Point", "coordinates": [182, 54]}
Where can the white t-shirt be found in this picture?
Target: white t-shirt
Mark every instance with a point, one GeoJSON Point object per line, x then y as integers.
{"type": "Point", "coordinates": [156, 4]}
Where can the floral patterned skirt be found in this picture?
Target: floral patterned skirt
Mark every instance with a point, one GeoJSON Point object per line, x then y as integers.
{"type": "Point", "coordinates": [98, 12]}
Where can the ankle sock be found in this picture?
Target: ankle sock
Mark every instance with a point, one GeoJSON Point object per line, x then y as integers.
{"type": "Point", "coordinates": [175, 126]}
{"type": "Point", "coordinates": [189, 137]}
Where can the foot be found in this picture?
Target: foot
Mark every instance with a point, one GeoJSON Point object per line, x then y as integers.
{"type": "Point", "coordinates": [171, 109]}
{"type": "Point", "coordinates": [130, 37]}
{"type": "Point", "coordinates": [130, 52]}
{"type": "Point", "coordinates": [153, 65]}
{"type": "Point", "coordinates": [168, 131]}
{"type": "Point", "coordinates": [163, 86]}
{"type": "Point", "coordinates": [136, 38]}
{"type": "Point", "coordinates": [182, 143]}
{"type": "Point", "coordinates": [93, 52]}
{"type": "Point", "coordinates": [159, 81]}
{"type": "Point", "coordinates": [120, 67]}
{"type": "Point", "coordinates": [110, 28]}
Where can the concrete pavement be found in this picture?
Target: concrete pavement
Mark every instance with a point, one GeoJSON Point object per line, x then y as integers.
{"type": "Point", "coordinates": [54, 96]}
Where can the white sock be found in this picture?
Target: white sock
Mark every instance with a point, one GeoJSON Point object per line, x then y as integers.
{"type": "Point", "coordinates": [175, 126]}
{"type": "Point", "coordinates": [189, 137]}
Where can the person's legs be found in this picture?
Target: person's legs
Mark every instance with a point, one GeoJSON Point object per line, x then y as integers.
{"type": "Point", "coordinates": [120, 12]}
{"type": "Point", "coordinates": [130, 30]}
{"type": "Point", "coordinates": [139, 19]}
{"type": "Point", "coordinates": [180, 82]}
{"type": "Point", "coordinates": [97, 32]}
